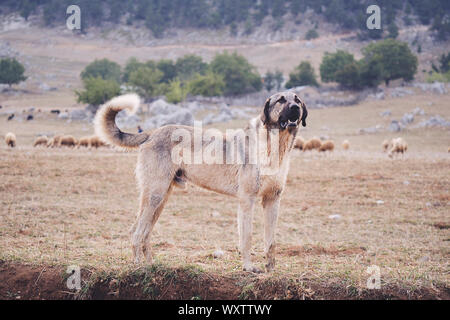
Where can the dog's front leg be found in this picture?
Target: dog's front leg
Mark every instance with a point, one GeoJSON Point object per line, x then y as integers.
{"type": "Point", "coordinates": [245, 222]}
{"type": "Point", "coordinates": [270, 208]}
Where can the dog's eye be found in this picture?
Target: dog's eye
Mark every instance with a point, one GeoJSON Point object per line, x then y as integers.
{"type": "Point", "coordinates": [281, 100]}
{"type": "Point", "coordinates": [297, 100]}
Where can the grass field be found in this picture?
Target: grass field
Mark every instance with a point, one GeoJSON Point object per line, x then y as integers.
{"type": "Point", "coordinates": [57, 209]}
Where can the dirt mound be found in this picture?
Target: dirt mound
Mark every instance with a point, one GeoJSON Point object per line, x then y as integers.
{"type": "Point", "coordinates": [21, 281]}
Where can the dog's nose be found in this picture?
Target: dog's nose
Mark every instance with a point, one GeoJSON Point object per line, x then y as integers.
{"type": "Point", "coordinates": [294, 106]}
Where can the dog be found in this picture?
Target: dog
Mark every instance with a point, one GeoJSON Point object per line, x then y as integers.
{"type": "Point", "coordinates": [157, 173]}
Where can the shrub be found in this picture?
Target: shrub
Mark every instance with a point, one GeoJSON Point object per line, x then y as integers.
{"type": "Point", "coordinates": [311, 34]}
{"type": "Point", "coordinates": [175, 92]}
{"type": "Point", "coordinates": [239, 75]}
{"type": "Point", "coordinates": [97, 91]}
{"type": "Point", "coordinates": [104, 68]}
{"type": "Point", "coordinates": [395, 58]}
{"type": "Point", "coordinates": [190, 65]}
{"type": "Point", "coordinates": [146, 79]}
{"type": "Point", "coordinates": [209, 85]}
{"type": "Point", "coordinates": [332, 62]}
{"type": "Point", "coordinates": [11, 71]}
{"type": "Point", "coordinates": [303, 75]}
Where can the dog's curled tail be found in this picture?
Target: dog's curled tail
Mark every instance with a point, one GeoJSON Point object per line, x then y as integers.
{"type": "Point", "coordinates": [105, 122]}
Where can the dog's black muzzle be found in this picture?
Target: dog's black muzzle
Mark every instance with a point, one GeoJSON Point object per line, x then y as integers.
{"type": "Point", "coordinates": [290, 117]}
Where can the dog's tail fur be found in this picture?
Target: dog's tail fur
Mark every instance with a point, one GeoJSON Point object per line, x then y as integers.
{"type": "Point", "coordinates": [105, 124]}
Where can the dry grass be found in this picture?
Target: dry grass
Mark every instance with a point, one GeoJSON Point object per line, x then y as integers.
{"type": "Point", "coordinates": [57, 206]}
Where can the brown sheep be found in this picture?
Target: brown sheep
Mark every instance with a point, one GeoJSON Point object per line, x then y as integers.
{"type": "Point", "coordinates": [96, 142]}
{"type": "Point", "coordinates": [397, 145]}
{"type": "Point", "coordinates": [54, 142]}
{"type": "Point", "coordinates": [68, 141]}
{"type": "Point", "coordinates": [10, 139]}
{"type": "Point", "coordinates": [312, 144]}
{"type": "Point", "coordinates": [327, 146]}
{"type": "Point", "coordinates": [42, 140]}
{"type": "Point", "coordinates": [298, 143]}
{"type": "Point", "coordinates": [84, 142]}
{"type": "Point", "coordinates": [345, 145]}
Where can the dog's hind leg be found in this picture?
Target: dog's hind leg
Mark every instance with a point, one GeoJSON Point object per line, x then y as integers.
{"type": "Point", "coordinates": [153, 200]}
{"type": "Point", "coordinates": [271, 206]}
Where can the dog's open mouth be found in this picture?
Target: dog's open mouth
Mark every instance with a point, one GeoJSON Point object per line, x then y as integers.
{"type": "Point", "coordinates": [288, 123]}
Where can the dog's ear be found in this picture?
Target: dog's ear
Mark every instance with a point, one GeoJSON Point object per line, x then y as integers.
{"type": "Point", "coordinates": [304, 114]}
{"type": "Point", "coordinates": [266, 116]}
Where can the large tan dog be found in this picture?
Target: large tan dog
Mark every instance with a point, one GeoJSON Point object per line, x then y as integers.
{"type": "Point", "coordinates": [157, 173]}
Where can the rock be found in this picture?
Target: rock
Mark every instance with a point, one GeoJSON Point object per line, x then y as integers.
{"type": "Point", "coordinates": [418, 112]}
{"type": "Point", "coordinates": [407, 118]}
{"type": "Point", "coordinates": [406, 183]}
{"type": "Point", "coordinates": [435, 87]}
{"type": "Point", "coordinates": [386, 113]}
{"type": "Point", "coordinates": [370, 130]}
{"type": "Point", "coordinates": [218, 254]}
{"type": "Point", "coordinates": [78, 114]}
{"type": "Point", "coordinates": [380, 202]}
{"type": "Point", "coordinates": [124, 120]}
{"type": "Point", "coordinates": [63, 116]}
{"type": "Point", "coordinates": [215, 214]}
{"type": "Point", "coordinates": [400, 92]}
{"type": "Point", "coordinates": [181, 116]}
{"type": "Point", "coordinates": [394, 126]}
{"type": "Point", "coordinates": [335, 216]}
{"type": "Point", "coordinates": [161, 107]}
{"type": "Point", "coordinates": [434, 121]}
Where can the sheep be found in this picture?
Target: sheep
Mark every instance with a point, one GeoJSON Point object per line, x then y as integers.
{"type": "Point", "coordinates": [397, 145]}
{"type": "Point", "coordinates": [327, 146]}
{"type": "Point", "coordinates": [84, 142]}
{"type": "Point", "coordinates": [96, 142]}
{"type": "Point", "coordinates": [42, 140]}
{"type": "Point", "coordinates": [299, 143]}
{"type": "Point", "coordinates": [54, 142]}
{"type": "Point", "coordinates": [10, 139]}
{"type": "Point", "coordinates": [68, 141]}
{"type": "Point", "coordinates": [312, 144]}
{"type": "Point", "coordinates": [345, 145]}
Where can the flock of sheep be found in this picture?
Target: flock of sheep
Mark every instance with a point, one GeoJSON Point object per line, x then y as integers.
{"type": "Point", "coordinates": [59, 141]}
{"type": "Point", "coordinates": [393, 146]}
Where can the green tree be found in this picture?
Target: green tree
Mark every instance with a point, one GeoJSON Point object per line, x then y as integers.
{"type": "Point", "coordinates": [349, 76]}
{"type": "Point", "coordinates": [393, 30]}
{"type": "Point", "coordinates": [11, 71]}
{"type": "Point", "coordinates": [239, 75]}
{"type": "Point", "coordinates": [395, 58]}
{"type": "Point", "coordinates": [332, 62]}
{"type": "Point", "coordinates": [269, 81]}
{"type": "Point", "coordinates": [311, 34]}
{"type": "Point", "coordinates": [168, 68]}
{"type": "Point", "coordinates": [132, 65]}
{"type": "Point", "coordinates": [279, 78]}
{"type": "Point", "coordinates": [303, 75]}
{"type": "Point", "coordinates": [146, 79]}
{"type": "Point", "coordinates": [175, 92]}
{"type": "Point", "coordinates": [189, 65]}
{"type": "Point", "coordinates": [97, 91]}
{"type": "Point", "coordinates": [104, 68]}
{"type": "Point", "coordinates": [208, 85]}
